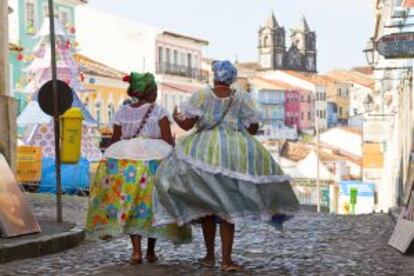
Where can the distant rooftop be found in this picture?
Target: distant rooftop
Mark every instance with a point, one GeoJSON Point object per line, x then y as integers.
{"type": "Point", "coordinates": [92, 67]}
{"type": "Point", "coordinates": [197, 40]}
{"type": "Point", "coordinates": [352, 76]}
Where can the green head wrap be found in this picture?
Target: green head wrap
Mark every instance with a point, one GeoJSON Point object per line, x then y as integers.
{"type": "Point", "coordinates": [140, 83]}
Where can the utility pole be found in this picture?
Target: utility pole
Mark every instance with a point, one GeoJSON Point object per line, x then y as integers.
{"type": "Point", "coordinates": [318, 182]}
{"type": "Point", "coordinates": [55, 111]}
{"type": "Point", "coordinates": [8, 134]}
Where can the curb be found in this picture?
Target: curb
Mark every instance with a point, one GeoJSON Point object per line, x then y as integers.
{"type": "Point", "coordinates": [40, 246]}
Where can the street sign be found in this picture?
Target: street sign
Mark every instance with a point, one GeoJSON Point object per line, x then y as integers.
{"type": "Point", "coordinates": [46, 97]}
{"type": "Point", "coordinates": [399, 45]}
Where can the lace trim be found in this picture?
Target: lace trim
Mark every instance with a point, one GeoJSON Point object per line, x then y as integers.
{"type": "Point", "coordinates": [198, 164]}
{"type": "Point", "coordinates": [233, 218]}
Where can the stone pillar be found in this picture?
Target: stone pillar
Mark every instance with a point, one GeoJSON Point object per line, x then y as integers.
{"type": "Point", "coordinates": [8, 131]}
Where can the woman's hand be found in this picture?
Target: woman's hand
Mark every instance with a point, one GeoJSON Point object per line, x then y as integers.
{"type": "Point", "coordinates": [253, 129]}
{"type": "Point", "coordinates": [184, 123]}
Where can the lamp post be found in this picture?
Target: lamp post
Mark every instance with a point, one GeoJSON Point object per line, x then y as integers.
{"type": "Point", "coordinates": [370, 52]}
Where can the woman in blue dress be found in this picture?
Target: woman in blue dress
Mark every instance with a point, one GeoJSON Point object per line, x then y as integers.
{"type": "Point", "coordinates": [221, 170]}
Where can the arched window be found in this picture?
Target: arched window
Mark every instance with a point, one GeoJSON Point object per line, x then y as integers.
{"type": "Point", "coordinates": [111, 111]}
{"type": "Point", "coordinates": [266, 41]}
{"type": "Point", "coordinates": [98, 112]}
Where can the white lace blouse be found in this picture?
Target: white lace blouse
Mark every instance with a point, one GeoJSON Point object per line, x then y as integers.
{"type": "Point", "coordinates": [130, 118]}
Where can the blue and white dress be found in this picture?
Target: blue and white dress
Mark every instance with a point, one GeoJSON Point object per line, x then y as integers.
{"type": "Point", "coordinates": [222, 171]}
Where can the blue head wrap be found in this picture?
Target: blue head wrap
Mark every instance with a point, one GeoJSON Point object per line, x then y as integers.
{"type": "Point", "coordinates": [224, 71]}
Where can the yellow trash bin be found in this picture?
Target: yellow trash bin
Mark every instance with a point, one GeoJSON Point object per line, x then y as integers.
{"type": "Point", "coordinates": [71, 127]}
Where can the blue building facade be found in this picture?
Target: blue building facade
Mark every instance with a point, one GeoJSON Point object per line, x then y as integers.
{"type": "Point", "coordinates": [332, 114]}
{"type": "Point", "coordinates": [272, 103]}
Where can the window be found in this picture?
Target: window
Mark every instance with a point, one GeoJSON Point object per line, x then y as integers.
{"type": "Point", "coordinates": [64, 16]}
{"type": "Point", "coordinates": [160, 57]}
{"type": "Point", "coordinates": [355, 111]}
{"type": "Point", "coordinates": [111, 111]}
{"type": "Point", "coordinates": [302, 116]}
{"type": "Point", "coordinates": [30, 17]}
{"type": "Point", "coordinates": [309, 115]}
{"type": "Point", "coordinates": [317, 113]}
{"type": "Point", "coordinates": [340, 111]}
{"type": "Point", "coordinates": [167, 56]}
{"type": "Point", "coordinates": [45, 10]}
{"type": "Point", "coordinates": [265, 41]}
{"type": "Point", "coordinates": [189, 61]}
{"type": "Point", "coordinates": [175, 57]}
{"type": "Point", "coordinates": [98, 112]}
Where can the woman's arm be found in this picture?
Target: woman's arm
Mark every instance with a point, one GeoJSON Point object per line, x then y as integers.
{"type": "Point", "coordinates": [166, 134]}
{"type": "Point", "coordinates": [116, 135]}
{"type": "Point", "coordinates": [185, 124]}
{"type": "Point", "coordinates": [253, 129]}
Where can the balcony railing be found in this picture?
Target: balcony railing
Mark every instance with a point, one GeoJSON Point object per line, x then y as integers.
{"type": "Point", "coordinates": [181, 71]}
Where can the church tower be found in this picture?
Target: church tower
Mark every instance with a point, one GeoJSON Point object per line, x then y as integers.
{"type": "Point", "coordinates": [271, 45]}
{"type": "Point", "coordinates": [305, 41]}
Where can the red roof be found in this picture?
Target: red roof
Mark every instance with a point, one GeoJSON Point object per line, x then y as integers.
{"type": "Point", "coordinates": [281, 84]}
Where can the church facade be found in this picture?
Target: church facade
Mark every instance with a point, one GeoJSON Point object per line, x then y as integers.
{"type": "Point", "coordinates": [273, 53]}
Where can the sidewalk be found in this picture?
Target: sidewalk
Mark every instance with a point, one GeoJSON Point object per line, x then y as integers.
{"type": "Point", "coordinates": [55, 237]}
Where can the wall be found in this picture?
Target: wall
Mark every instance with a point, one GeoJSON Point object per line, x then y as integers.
{"type": "Point", "coordinates": [121, 44]}
{"type": "Point", "coordinates": [343, 139]}
{"type": "Point", "coordinates": [292, 109]}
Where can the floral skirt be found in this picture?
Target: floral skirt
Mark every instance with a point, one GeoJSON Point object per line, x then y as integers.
{"type": "Point", "coordinates": [120, 202]}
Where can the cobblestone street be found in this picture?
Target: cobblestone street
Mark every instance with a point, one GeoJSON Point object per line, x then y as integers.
{"type": "Point", "coordinates": [311, 244]}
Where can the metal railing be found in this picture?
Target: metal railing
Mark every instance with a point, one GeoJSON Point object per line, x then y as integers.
{"type": "Point", "coordinates": [181, 71]}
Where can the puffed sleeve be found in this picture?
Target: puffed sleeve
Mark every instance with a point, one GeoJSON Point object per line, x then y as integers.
{"type": "Point", "coordinates": [117, 118]}
{"type": "Point", "coordinates": [163, 113]}
{"type": "Point", "coordinates": [194, 106]}
{"type": "Point", "coordinates": [250, 112]}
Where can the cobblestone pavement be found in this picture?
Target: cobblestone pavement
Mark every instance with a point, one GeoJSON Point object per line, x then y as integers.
{"type": "Point", "coordinates": [312, 244]}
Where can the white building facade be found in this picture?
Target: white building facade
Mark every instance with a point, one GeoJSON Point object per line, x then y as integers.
{"type": "Point", "coordinates": [175, 59]}
{"type": "Point", "coordinates": [391, 121]}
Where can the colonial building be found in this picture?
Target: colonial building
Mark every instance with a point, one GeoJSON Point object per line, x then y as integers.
{"type": "Point", "coordinates": [175, 59]}
{"type": "Point", "coordinates": [275, 55]}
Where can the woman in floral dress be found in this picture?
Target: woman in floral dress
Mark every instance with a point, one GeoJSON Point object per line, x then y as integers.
{"type": "Point", "coordinates": [121, 196]}
{"type": "Point", "coordinates": [221, 170]}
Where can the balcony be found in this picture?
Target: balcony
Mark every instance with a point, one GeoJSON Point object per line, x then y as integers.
{"type": "Point", "coordinates": [181, 71]}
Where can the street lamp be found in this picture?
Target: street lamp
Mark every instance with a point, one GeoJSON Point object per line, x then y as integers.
{"type": "Point", "coordinates": [368, 103]}
{"type": "Point", "coordinates": [369, 51]}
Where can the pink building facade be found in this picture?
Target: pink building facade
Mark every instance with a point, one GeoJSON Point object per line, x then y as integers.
{"type": "Point", "coordinates": [307, 110]}
{"type": "Point", "coordinates": [292, 108]}
{"type": "Point", "coordinates": [298, 109]}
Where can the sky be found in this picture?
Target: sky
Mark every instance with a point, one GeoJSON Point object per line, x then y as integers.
{"type": "Point", "coordinates": [342, 26]}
